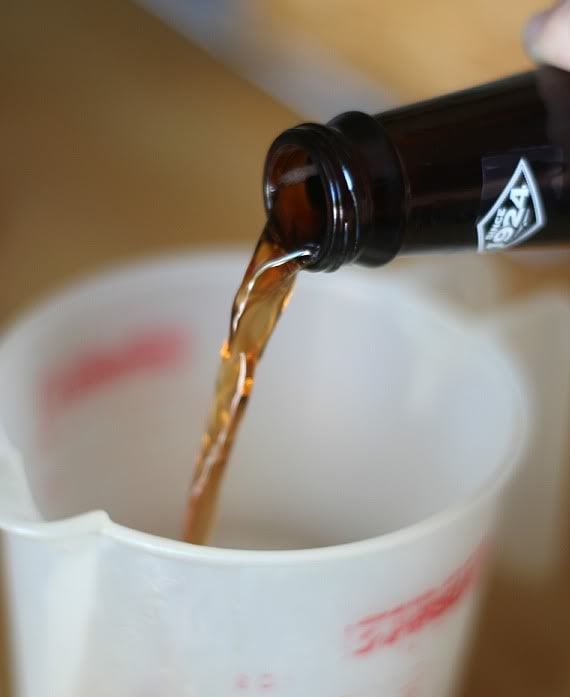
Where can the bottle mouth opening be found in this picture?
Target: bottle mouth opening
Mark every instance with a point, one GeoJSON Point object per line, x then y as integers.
{"type": "Point", "coordinates": [309, 198]}
{"type": "Point", "coordinates": [296, 199]}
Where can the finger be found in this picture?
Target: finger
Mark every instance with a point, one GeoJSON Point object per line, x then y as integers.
{"type": "Point", "coordinates": [547, 36]}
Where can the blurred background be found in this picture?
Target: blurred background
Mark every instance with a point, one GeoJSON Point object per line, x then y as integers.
{"type": "Point", "coordinates": [132, 129]}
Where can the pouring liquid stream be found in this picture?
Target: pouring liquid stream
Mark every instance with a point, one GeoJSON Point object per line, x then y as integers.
{"type": "Point", "coordinates": [261, 298]}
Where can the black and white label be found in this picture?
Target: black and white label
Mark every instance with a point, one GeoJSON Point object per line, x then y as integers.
{"type": "Point", "coordinates": [517, 214]}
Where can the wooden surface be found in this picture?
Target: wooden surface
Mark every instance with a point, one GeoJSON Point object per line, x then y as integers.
{"type": "Point", "coordinates": [120, 139]}
{"type": "Point", "coordinates": [117, 139]}
{"type": "Point", "coordinates": [414, 47]}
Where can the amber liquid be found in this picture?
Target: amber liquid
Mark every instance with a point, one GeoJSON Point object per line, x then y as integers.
{"type": "Point", "coordinates": [258, 304]}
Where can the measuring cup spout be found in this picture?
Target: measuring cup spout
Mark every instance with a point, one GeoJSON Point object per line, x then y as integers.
{"type": "Point", "coordinates": [16, 502]}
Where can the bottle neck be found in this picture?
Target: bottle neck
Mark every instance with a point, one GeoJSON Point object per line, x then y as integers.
{"type": "Point", "coordinates": [487, 168]}
{"type": "Point", "coordinates": [333, 189]}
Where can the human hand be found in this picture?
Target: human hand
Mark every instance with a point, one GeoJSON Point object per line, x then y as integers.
{"type": "Point", "coordinates": [547, 36]}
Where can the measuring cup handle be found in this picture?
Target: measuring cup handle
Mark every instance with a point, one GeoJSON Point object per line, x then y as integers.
{"type": "Point", "coordinates": [16, 502]}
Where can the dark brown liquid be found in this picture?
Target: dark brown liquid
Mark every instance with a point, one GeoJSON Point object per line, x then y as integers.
{"type": "Point", "coordinates": [258, 304]}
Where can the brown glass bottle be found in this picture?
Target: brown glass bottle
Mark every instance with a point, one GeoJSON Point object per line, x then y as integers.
{"type": "Point", "coordinates": [486, 168]}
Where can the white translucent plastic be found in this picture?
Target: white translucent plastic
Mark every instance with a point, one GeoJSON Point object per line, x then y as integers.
{"type": "Point", "coordinates": [357, 515]}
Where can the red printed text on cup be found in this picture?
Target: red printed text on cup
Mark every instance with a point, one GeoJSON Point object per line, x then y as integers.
{"type": "Point", "coordinates": [387, 628]}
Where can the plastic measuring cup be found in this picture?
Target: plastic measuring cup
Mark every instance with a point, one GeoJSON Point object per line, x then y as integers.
{"type": "Point", "coordinates": [359, 506]}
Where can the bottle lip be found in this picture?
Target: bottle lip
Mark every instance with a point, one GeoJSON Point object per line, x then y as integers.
{"type": "Point", "coordinates": [338, 242]}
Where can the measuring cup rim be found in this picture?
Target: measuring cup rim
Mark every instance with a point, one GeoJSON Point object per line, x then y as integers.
{"type": "Point", "coordinates": [424, 302]}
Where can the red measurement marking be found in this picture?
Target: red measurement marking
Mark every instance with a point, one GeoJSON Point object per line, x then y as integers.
{"type": "Point", "coordinates": [255, 684]}
{"type": "Point", "coordinates": [242, 682]}
{"type": "Point", "coordinates": [92, 370]}
{"type": "Point", "coordinates": [412, 691]}
{"type": "Point", "coordinates": [413, 688]}
{"type": "Point", "coordinates": [387, 628]}
{"type": "Point", "coordinates": [266, 681]}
